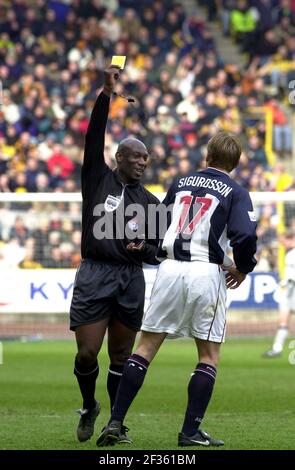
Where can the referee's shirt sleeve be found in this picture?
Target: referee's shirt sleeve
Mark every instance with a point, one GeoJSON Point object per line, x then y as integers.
{"type": "Point", "coordinates": [241, 231]}
{"type": "Point", "coordinates": [94, 166]}
{"type": "Point", "coordinates": [152, 241]}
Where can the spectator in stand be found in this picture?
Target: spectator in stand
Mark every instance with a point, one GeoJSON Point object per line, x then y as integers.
{"type": "Point", "coordinates": [243, 24]}
{"type": "Point", "coordinates": [282, 130]}
{"type": "Point", "coordinates": [19, 231]}
{"type": "Point", "coordinates": [59, 161]}
{"type": "Point", "coordinates": [256, 152]}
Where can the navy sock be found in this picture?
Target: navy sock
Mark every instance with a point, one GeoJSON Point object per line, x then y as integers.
{"type": "Point", "coordinates": [200, 389]}
{"type": "Point", "coordinates": [113, 381]}
{"type": "Point", "coordinates": [86, 376]}
{"type": "Point", "coordinates": [134, 372]}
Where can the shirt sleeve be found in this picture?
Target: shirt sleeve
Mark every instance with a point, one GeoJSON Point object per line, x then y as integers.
{"type": "Point", "coordinates": [241, 231]}
{"type": "Point", "coordinates": [170, 195]}
{"type": "Point", "coordinates": [149, 253]}
{"type": "Point", "coordinates": [164, 221]}
{"type": "Point", "coordinates": [94, 166]}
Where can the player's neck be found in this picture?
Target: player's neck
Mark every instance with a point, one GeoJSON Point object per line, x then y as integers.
{"type": "Point", "coordinates": [218, 168]}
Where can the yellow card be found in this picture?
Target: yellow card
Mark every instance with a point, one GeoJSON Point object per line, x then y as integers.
{"type": "Point", "coordinates": [119, 60]}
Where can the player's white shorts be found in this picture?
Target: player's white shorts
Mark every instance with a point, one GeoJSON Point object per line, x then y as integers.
{"type": "Point", "coordinates": [287, 297]}
{"type": "Point", "coordinates": [188, 299]}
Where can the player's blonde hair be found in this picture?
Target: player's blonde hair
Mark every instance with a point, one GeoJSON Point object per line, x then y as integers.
{"type": "Point", "coordinates": [223, 151]}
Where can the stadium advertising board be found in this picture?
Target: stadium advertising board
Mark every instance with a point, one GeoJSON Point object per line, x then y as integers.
{"type": "Point", "coordinates": [50, 291]}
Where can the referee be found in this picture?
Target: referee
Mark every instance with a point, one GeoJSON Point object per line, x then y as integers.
{"type": "Point", "coordinates": [109, 288]}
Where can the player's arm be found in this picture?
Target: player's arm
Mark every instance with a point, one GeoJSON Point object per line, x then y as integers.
{"type": "Point", "coordinates": [233, 277]}
{"type": "Point", "coordinates": [149, 255]}
{"type": "Point", "coordinates": [241, 231]}
{"type": "Point", "coordinates": [94, 165]}
{"type": "Point", "coordinates": [290, 266]}
{"type": "Point", "coordinates": [165, 219]}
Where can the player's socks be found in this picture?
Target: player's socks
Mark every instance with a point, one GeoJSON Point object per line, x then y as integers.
{"type": "Point", "coordinates": [86, 376]}
{"type": "Point", "coordinates": [200, 389]}
{"type": "Point", "coordinates": [113, 381]}
{"type": "Point", "coordinates": [134, 372]}
{"type": "Point", "coordinates": [280, 338]}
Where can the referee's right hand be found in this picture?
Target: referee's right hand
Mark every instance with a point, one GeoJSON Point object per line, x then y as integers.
{"type": "Point", "coordinates": [111, 75]}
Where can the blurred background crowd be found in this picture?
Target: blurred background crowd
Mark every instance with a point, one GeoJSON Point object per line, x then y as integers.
{"type": "Point", "coordinates": [52, 57]}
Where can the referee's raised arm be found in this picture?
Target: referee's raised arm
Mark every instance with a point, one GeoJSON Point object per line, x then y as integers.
{"type": "Point", "coordinates": [94, 166]}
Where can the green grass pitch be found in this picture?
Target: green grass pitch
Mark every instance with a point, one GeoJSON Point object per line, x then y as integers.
{"type": "Point", "coordinates": [253, 405]}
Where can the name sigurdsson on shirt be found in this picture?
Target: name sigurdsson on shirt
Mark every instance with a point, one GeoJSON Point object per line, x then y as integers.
{"type": "Point", "coordinates": [200, 181]}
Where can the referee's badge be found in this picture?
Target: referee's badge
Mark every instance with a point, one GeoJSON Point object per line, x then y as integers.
{"type": "Point", "coordinates": [112, 203]}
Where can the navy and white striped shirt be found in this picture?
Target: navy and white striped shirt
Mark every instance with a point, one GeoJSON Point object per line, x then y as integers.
{"type": "Point", "coordinates": [209, 210]}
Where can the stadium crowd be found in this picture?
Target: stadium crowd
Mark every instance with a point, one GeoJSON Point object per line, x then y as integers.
{"type": "Point", "coordinates": [52, 56]}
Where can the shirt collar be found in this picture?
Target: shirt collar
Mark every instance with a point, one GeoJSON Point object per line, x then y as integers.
{"type": "Point", "coordinates": [211, 168]}
{"type": "Point", "coordinates": [132, 185]}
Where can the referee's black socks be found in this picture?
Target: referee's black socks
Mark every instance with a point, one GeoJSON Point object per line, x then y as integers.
{"type": "Point", "coordinates": [200, 389]}
{"type": "Point", "coordinates": [86, 376]}
{"type": "Point", "coordinates": [134, 372]}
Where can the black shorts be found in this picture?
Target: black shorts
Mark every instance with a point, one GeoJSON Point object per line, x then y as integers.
{"type": "Point", "coordinates": [102, 290]}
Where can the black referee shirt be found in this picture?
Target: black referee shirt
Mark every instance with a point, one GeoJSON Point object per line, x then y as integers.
{"type": "Point", "coordinates": [102, 189]}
